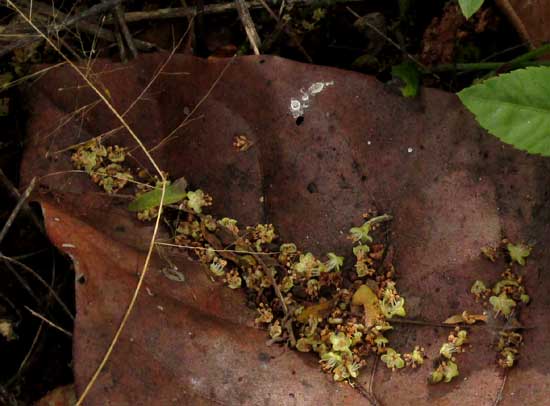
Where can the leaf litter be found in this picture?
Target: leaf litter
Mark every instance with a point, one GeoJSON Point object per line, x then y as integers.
{"type": "Point", "coordinates": [329, 283]}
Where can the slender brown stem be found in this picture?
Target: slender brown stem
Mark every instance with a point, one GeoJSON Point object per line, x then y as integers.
{"type": "Point", "coordinates": [249, 27]}
{"type": "Point", "coordinates": [17, 209]}
{"type": "Point", "coordinates": [119, 13]}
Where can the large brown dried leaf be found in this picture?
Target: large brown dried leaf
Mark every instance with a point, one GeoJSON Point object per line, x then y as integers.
{"type": "Point", "coordinates": [451, 188]}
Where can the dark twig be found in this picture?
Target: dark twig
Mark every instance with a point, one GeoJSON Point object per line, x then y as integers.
{"type": "Point", "coordinates": [507, 8]}
{"type": "Point", "coordinates": [120, 44]}
{"type": "Point", "coordinates": [282, 26]}
{"type": "Point", "coordinates": [109, 35]}
{"type": "Point", "coordinates": [48, 322]}
{"type": "Point", "coordinates": [249, 27]}
{"type": "Point", "coordinates": [271, 277]}
{"type": "Point", "coordinates": [366, 394]}
{"type": "Point", "coordinates": [125, 31]}
{"type": "Point", "coordinates": [371, 379]}
{"type": "Point", "coordinates": [391, 41]}
{"type": "Point", "coordinates": [191, 39]}
{"type": "Point", "coordinates": [477, 66]}
{"type": "Point", "coordinates": [452, 326]}
{"type": "Point", "coordinates": [12, 190]}
{"type": "Point", "coordinates": [424, 323]}
{"type": "Point", "coordinates": [95, 10]}
{"type": "Point", "coordinates": [178, 12]}
{"type": "Point", "coordinates": [21, 280]}
{"type": "Point", "coordinates": [41, 280]}
{"type": "Point", "coordinates": [29, 353]}
{"type": "Point", "coordinates": [76, 21]}
{"type": "Point", "coordinates": [16, 209]}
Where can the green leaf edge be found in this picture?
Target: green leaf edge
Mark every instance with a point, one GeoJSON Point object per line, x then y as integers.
{"type": "Point", "coordinates": [517, 141]}
{"type": "Point", "coordinates": [469, 7]}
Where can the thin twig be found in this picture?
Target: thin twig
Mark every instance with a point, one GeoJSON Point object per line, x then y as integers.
{"type": "Point", "coordinates": [100, 8]}
{"type": "Point", "coordinates": [249, 27]}
{"type": "Point", "coordinates": [191, 39]}
{"type": "Point", "coordinates": [12, 190]}
{"type": "Point", "coordinates": [50, 323]}
{"type": "Point", "coordinates": [29, 352]}
{"type": "Point", "coordinates": [190, 247]}
{"type": "Point", "coordinates": [201, 101]}
{"type": "Point", "coordinates": [283, 26]}
{"type": "Point", "coordinates": [41, 280]}
{"type": "Point", "coordinates": [22, 281]}
{"type": "Point", "coordinates": [120, 44]}
{"type": "Point", "coordinates": [81, 25]}
{"type": "Point", "coordinates": [371, 379]}
{"type": "Point", "coordinates": [271, 277]}
{"type": "Point", "coordinates": [178, 12]}
{"type": "Point", "coordinates": [476, 66]}
{"type": "Point", "coordinates": [16, 209]}
{"type": "Point", "coordinates": [507, 8]}
{"type": "Point", "coordinates": [391, 41]}
{"type": "Point", "coordinates": [119, 13]}
{"type": "Point", "coordinates": [158, 72]}
{"type": "Point", "coordinates": [66, 45]}
{"type": "Point", "coordinates": [366, 394]}
{"type": "Point", "coordinates": [500, 392]}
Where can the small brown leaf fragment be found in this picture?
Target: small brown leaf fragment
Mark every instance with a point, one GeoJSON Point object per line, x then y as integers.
{"type": "Point", "coordinates": [242, 143]}
{"type": "Point", "coordinates": [490, 253]}
{"type": "Point", "coordinates": [6, 330]}
{"type": "Point", "coordinates": [440, 38]}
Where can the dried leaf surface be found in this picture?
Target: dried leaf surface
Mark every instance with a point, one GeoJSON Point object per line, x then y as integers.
{"type": "Point", "coordinates": [451, 188]}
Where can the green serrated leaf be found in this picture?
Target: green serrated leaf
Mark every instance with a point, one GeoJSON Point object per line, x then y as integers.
{"type": "Point", "coordinates": [410, 75]}
{"type": "Point", "coordinates": [514, 107]}
{"type": "Point", "coordinates": [174, 193]}
{"type": "Point", "coordinates": [469, 7]}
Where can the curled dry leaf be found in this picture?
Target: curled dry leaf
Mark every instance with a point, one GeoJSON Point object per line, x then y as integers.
{"type": "Point", "coordinates": [426, 162]}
